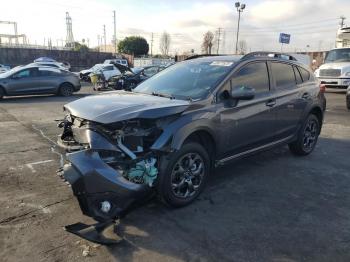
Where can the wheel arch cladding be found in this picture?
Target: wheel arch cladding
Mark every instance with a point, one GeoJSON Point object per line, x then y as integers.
{"type": "Point", "coordinates": [204, 138]}
{"type": "Point", "coordinates": [66, 83]}
{"type": "Point", "coordinates": [318, 113]}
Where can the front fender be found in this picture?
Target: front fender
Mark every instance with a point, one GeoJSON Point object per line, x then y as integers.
{"type": "Point", "coordinates": [176, 133]}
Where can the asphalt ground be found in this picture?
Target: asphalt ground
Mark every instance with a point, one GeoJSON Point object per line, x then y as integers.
{"type": "Point", "coordinates": [269, 207]}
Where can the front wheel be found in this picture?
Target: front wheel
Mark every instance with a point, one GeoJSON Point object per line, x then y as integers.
{"type": "Point", "coordinates": [183, 174]}
{"type": "Point", "coordinates": [307, 137]}
{"type": "Point", "coordinates": [348, 101]}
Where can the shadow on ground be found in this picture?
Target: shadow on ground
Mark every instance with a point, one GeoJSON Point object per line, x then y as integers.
{"type": "Point", "coordinates": [269, 207]}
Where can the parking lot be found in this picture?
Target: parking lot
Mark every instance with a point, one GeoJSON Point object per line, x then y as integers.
{"type": "Point", "coordinates": [269, 207]}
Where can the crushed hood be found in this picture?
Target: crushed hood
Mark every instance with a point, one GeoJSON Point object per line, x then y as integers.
{"type": "Point", "coordinates": [117, 106]}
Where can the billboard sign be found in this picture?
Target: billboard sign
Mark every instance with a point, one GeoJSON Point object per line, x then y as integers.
{"type": "Point", "coordinates": [284, 38]}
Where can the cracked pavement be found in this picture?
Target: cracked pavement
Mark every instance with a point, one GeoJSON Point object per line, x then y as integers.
{"type": "Point", "coordinates": [269, 207]}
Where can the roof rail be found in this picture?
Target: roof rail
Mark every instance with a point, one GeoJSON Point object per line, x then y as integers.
{"type": "Point", "coordinates": [199, 56]}
{"type": "Point", "coordinates": [269, 54]}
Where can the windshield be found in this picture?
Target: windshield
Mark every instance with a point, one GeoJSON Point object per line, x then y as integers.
{"type": "Point", "coordinates": [11, 71]}
{"type": "Point", "coordinates": [192, 79]}
{"type": "Point", "coordinates": [338, 55]}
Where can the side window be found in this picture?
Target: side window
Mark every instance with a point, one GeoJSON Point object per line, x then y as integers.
{"type": "Point", "coordinates": [284, 75]}
{"type": "Point", "coordinates": [304, 74]}
{"type": "Point", "coordinates": [108, 68]}
{"type": "Point", "coordinates": [297, 75]}
{"type": "Point", "coordinates": [25, 73]}
{"type": "Point", "coordinates": [49, 72]}
{"type": "Point", "coordinates": [254, 75]}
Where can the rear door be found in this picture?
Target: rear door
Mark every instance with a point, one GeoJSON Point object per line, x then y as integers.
{"type": "Point", "coordinates": [291, 100]}
{"type": "Point", "coordinates": [248, 124]}
{"type": "Point", "coordinates": [49, 79]}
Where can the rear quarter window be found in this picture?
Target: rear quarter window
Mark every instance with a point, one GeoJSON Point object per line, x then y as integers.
{"type": "Point", "coordinates": [305, 74]}
{"type": "Point", "coordinates": [284, 75]}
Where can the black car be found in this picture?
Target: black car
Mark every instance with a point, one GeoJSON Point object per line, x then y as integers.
{"type": "Point", "coordinates": [170, 132]}
{"type": "Point", "coordinates": [130, 78]}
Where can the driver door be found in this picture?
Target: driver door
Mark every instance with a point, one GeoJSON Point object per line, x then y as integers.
{"type": "Point", "coordinates": [247, 125]}
{"type": "Point", "coordinates": [24, 82]}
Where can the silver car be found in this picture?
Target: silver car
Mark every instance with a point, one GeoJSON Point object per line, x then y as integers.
{"type": "Point", "coordinates": [33, 80]}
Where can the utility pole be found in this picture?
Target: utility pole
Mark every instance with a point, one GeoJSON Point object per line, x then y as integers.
{"type": "Point", "coordinates": [342, 19]}
{"type": "Point", "coordinates": [104, 36]}
{"type": "Point", "coordinates": [240, 7]}
{"type": "Point", "coordinates": [223, 42]}
{"type": "Point", "coordinates": [152, 45]}
{"type": "Point", "coordinates": [99, 42]}
{"type": "Point", "coordinates": [219, 34]}
{"type": "Point", "coordinates": [115, 33]}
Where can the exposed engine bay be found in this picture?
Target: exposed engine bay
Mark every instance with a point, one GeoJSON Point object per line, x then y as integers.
{"type": "Point", "coordinates": [111, 168]}
{"type": "Point", "coordinates": [132, 139]}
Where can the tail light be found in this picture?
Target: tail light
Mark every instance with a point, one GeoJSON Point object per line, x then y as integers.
{"type": "Point", "coordinates": [322, 88]}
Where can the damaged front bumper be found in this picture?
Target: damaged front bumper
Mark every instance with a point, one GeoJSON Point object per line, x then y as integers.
{"type": "Point", "coordinates": [103, 193]}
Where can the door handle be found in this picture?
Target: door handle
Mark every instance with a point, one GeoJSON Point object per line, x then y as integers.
{"type": "Point", "coordinates": [305, 96]}
{"type": "Point", "coordinates": [271, 102]}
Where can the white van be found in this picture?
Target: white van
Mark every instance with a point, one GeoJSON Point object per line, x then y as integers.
{"type": "Point", "coordinates": [123, 62]}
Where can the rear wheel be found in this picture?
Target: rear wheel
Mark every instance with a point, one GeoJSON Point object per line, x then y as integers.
{"type": "Point", "coordinates": [307, 137]}
{"type": "Point", "coordinates": [66, 89]}
{"type": "Point", "coordinates": [183, 175]}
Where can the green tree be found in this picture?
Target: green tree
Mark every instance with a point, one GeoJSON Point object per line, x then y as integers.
{"type": "Point", "coordinates": [133, 45]}
{"type": "Point", "coordinates": [76, 46]}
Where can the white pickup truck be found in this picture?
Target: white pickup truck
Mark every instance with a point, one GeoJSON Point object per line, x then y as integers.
{"type": "Point", "coordinates": [335, 72]}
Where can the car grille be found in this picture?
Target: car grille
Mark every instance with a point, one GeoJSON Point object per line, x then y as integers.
{"type": "Point", "coordinates": [330, 72]}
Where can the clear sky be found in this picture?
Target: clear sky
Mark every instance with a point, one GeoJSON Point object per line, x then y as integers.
{"type": "Point", "coordinates": [310, 22]}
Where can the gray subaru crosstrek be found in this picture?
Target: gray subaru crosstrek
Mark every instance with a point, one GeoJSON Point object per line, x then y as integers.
{"type": "Point", "coordinates": [168, 134]}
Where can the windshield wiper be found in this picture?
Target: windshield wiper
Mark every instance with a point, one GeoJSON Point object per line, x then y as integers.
{"type": "Point", "coordinates": [163, 95]}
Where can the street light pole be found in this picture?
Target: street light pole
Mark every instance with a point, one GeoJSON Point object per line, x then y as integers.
{"type": "Point", "coordinates": [240, 7]}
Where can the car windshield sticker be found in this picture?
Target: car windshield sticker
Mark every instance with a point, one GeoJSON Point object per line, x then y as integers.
{"type": "Point", "coordinates": [221, 63]}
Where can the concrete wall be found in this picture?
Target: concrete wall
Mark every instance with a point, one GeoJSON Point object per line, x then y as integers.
{"type": "Point", "coordinates": [78, 60]}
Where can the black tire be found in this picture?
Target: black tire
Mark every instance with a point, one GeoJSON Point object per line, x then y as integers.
{"type": "Point", "coordinates": [66, 89]}
{"type": "Point", "coordinates": [189, 181]}
{"type": "Point", "coordinates": [348, 101]}
{"type": "Point", "coordinates": [2, 93]}
{"type": "Point", "coordinates": [307, 137]}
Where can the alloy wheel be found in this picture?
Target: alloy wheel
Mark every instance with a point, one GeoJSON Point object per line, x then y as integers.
{"type": "Point", "coordinates": [310, 135]}
{"type": "Point", "coordinates": [187, 175]}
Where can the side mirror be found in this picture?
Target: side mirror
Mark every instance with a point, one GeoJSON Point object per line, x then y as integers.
{"type": "Point", "coordinates": [242, 93]}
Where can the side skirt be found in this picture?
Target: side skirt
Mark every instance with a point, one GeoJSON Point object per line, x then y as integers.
{"type": "Point", "coordinates": [254, 150]}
